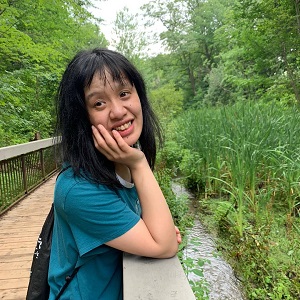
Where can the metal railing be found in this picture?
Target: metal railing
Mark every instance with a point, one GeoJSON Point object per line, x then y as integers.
{"type": "Point", "coordinates": [23, 167]}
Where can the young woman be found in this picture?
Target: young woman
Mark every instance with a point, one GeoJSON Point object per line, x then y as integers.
{"type": "Point", "coordinates": [106, 200]}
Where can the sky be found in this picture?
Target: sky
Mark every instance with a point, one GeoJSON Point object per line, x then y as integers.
{"type": "Point", "coordinates": [107, 10]}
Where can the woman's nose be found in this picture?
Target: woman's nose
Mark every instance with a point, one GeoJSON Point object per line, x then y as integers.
{"type": "Point", "coordinates": [117, 110]}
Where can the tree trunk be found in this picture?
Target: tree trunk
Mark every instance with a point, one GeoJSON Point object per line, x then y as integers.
{"type": "Point", "coordinates": [297, 8]}
{"type": "Point", "coordinates": [291, 75]}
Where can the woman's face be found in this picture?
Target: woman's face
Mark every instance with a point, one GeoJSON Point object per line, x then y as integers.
{"type": "Point", "coordinates": [116, 106]}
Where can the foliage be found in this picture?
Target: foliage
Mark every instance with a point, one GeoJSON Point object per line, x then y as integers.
{"type": "Point", "coordinates": [166, 101]}
{"type": "Point", "coordinates": [128, 39]}
{"type": "Point", "coordinates": [260, 49]}
{"type": "Point", "coordinates": [36, 41]}
{"type": "Point", "coordinates": [243, 161]}
{"type": "Point", "coordinates": [195, 268]}
{"type": "Point", "coordinates": [169, 157]}
{"type": "Point", "coordinates": [227, 51]}
{"type": "Point", "coordinates": [189, 36]}
{"type": "Point", "coordinates": [217, 52]}
{"type": "Point", "coordinates": [178, 205]}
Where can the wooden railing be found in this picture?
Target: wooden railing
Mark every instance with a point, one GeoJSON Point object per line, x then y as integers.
{"type": "Point", "coordinates": [22, 168]}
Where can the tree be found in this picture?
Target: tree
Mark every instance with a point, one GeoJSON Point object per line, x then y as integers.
{"type": "Point", "coordinates": [36, 41]}
{"type": "Point", "coordinates": [128, 39]}
{"type": "Point", "coordinates": [260, 55]}
{"type": "Point", "coordinates": [190, 38]}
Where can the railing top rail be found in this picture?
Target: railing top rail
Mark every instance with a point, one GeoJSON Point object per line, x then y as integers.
{"type": "Point", "coordinates": [152, 278]}
{"type": "Point", "coordinates": [17, 150]}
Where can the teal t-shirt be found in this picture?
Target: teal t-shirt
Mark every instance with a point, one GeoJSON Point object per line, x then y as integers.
{"type": "Point", "coordinates": [86, 217]}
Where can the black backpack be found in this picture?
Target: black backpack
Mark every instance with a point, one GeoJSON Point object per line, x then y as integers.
{"type": "Point", "coordinates": [38, 288]}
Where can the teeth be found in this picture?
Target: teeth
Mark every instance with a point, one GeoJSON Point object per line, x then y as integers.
{"type": "Point", "coordinates": [123, 127]}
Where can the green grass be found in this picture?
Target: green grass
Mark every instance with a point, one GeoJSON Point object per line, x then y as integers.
{"type": "Point", "coordinates": [244, 163]}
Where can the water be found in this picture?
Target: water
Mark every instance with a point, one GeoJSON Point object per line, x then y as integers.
{"type": "Point", "coordinates": [222, 283]}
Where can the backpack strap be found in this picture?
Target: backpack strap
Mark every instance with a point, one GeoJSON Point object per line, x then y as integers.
{"type": "Point", "coordinates": [68, 280]}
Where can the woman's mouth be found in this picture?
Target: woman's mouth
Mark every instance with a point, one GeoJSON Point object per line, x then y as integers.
{"type": "Point", "coordinates": [123, 127]}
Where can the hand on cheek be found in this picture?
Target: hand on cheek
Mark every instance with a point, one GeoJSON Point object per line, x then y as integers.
{"type": "Point", "coordinates": [114, 147]}
{"type": "Point", "coordinates": [99, 140]}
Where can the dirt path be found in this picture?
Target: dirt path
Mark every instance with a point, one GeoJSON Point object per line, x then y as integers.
{"type": "Point", "coordinates": [19, 229]}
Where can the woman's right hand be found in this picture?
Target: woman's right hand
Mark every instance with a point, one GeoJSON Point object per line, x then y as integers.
{"type": "Point", "coordinates": [115, 148]}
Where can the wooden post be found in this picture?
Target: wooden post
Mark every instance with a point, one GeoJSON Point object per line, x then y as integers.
{"type": "Point", "coordinates": [42, 162]}
{"type": "Point", "coordinates": [24, 173]}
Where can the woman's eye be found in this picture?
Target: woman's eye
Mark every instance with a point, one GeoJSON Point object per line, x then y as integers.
{"type": "Point", "coordinates": [124, 94]}
{"type": "Point", "coordinates": [98, 103]}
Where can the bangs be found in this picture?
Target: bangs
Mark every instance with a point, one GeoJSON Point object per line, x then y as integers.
{"type": "Point", "coordinates": [103, 64]}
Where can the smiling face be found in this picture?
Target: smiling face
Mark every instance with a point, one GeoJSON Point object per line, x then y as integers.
{"type": "Point", "coordinates": [116, 106]}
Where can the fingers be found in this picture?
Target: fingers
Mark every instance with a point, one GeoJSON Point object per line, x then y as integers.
{"type": "Point", "coordinates": [98, 138]}
{"type": "Point", "coordinates": [111, 145]}
{"type": "Point", "coordinates": [103, 137]}
{"type": "Point", "coordinates": [178, 235]}
{"type": "Point", "coordinates": [103, 141]}
{"type": "Point", "coordinates": [120, 141]}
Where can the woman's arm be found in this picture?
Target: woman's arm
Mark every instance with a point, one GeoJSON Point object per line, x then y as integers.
{"type": "Point", "coordinates": [154, 235]}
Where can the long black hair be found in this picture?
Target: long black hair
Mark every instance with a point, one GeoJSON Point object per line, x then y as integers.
{"type": "Point", "coordinates": [73, 124]}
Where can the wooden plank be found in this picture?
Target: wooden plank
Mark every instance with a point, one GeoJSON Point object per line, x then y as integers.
{"type": "Point", "coordinates": [154, 279]}
{"type": "Point", "coordinates": [17, 283]}
{"type": "Point", "coordinates": [13, 293]}
{"type": "Point", "coordinates": [19, 230]}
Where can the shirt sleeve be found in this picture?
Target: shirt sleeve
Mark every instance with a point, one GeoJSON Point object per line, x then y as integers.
{"type": "Point", "coordinates": [97, 215]}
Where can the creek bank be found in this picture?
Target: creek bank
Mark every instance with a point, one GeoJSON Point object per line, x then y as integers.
{"type": "Point", "coordinates": [218, 274]}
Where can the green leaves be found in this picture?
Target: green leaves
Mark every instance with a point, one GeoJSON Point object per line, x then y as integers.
{"type": "Point", "coordinates": [189, 36]}
{"type": "Point", "coordinates": [37, 38]}
{"type": "Point", "coordinates": [227, 51]}
{"type": "Point", "coordinates": [260, 47]}
{"type": "Point", "coordinates": [129, 40]}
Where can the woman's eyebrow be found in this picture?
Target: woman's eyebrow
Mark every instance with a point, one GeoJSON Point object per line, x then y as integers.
{"type": "Point", "coordinates": [124, 83]}
{"type": "Point", "coordinates": [116, 85]}
{"type": "Point", "coordinates": [92, 94]}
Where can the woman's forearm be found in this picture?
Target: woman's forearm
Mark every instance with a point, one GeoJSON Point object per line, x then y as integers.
{"type": "Point", "coordinates": [155, 211]}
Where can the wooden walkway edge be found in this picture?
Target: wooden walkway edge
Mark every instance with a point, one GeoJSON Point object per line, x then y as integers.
{"type": "Point", "coordinates": [19, 230]}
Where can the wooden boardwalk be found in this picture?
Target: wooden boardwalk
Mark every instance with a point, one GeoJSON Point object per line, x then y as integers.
{"type": "Point", "coordinates": [19, 230]}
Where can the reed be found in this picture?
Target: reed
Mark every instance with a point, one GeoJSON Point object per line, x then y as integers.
{"type": "Point", "coordinates": [247, 158]}
{"type": "Point", "coordinates": [252, 147]}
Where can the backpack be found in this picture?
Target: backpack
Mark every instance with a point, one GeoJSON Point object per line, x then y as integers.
{"type": "Point", "coordinates": [38, 287]}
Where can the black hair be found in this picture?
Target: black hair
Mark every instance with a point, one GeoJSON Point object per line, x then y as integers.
{"type": "Point", "coordinates": [73, 125]}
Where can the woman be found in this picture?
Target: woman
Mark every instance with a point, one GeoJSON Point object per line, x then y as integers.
{"type": "Point", "coordinates": [107, 200]}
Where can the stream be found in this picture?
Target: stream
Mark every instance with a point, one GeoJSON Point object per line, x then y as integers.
{"type": "Point", "coordinates": [218, 274]}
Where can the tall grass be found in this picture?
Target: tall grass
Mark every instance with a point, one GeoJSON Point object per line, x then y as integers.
{"type": "Point", "coordinates": [245, 159]}
{"type": "Point", "coordinates": [246, 149]}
